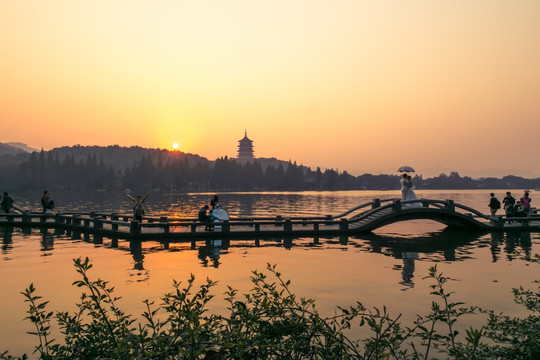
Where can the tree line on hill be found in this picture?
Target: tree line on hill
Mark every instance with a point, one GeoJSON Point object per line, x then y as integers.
{"type": "Point", "coordinates": [113, 167]}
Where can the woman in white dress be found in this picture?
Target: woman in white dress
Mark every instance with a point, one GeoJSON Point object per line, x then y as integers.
{"type": "Point", "coordinates": [410, 194]}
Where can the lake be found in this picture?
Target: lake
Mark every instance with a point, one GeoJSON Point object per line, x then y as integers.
{"type": "Point", "coordinates": [385, 267]}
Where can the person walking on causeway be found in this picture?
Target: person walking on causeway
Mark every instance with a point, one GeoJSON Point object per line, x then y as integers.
{"type": "Point", "coordinates": [494, 204]}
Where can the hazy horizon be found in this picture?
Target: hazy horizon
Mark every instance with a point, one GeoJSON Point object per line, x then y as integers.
{"type": "Point", "coordinates": [364, 87]}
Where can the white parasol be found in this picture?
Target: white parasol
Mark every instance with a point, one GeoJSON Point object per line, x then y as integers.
{"type": "Point", "coordinates": [405, 169]}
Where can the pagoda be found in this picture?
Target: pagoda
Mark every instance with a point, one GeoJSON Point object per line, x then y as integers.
{"type": "Point", "coordinates": [245, 148]}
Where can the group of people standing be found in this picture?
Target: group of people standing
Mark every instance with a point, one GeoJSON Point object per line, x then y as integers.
{"type": "Point", "coordinates": [512, 208]}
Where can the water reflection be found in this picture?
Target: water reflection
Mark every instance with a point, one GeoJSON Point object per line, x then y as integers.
{"type": "Point", "coordinates": [407, 271]}
{"type": "Point", "coordinates": [47, 241]}
{"type": "Point", "coordinates": [513, 239]}
{"type": "Point", "coordinates": [7, 239]}
{"type": "Point", "coordinates": [135, 248]}
{"type": "Point", "coordinates": [211, 252]}
{"type": "Point", "coordinates": [448, 245]}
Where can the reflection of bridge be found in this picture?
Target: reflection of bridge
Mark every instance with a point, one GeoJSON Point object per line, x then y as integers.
{"type": "Point", "coordinates": [363, 218]}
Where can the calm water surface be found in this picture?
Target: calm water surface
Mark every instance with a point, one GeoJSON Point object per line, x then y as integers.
{"type": "Point", "coordinates": [382, 268]}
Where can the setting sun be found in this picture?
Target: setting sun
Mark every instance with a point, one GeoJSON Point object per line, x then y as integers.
{"type": "Point", "coordinates": [175, 146]}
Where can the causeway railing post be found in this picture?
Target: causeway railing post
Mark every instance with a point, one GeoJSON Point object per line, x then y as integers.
{"type": "Point", "coordinates": [98, 224]}
{"type": "Point", "coordinates": [58, 219]}
{"type": "Point", "coordinates": [226, 226]}
{"type": "Point", "coordinates": [449, 205]}
{"type": "Point", "coordinates": [396, 206]}
{"type": "Point", "coordinates": [135, 227]}
{"type": "Point", "coordinates": [164, 221]}
{"type": "Point", "coordinates": [376, 203]}
{"type": "Point", "coordinates": [287, 225]}
{"type": "Point", "coordinates": [328, 219]}
{"type": "Point", "coordinates": [114, 217]}
{"type": "Point", "coordinates": [343, 225]}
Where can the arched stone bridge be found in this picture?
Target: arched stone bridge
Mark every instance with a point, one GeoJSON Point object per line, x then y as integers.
{"type": "Point", "coordinates": [378, 213]}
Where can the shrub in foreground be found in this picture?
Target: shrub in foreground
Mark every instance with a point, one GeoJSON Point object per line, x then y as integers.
{"type": "Point", "coordinates": [270, 322]}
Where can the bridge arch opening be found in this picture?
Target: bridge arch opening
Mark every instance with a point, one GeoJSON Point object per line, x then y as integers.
{"type": "Point", "coordinates": [411, 228]}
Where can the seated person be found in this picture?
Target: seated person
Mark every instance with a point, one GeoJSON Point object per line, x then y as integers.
{"type": "Point", "coordinates": [203, 217]}
{"type": "Point", "coordinates": [509, 210]}
{"type": "Point", "coordinates": [519, 210]}
{"type": "Point", "coordinates": [211, 219]}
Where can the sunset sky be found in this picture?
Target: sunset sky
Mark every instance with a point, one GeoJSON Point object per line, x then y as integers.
{"type": "Point", "coordinates": [362, 86]}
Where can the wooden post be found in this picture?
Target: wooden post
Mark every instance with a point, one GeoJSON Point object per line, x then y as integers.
{"type": "Point", "coordinates": [396, 206]}
{"type": "Point", "coordinates": [25, 217]}
{"type": "Point", "coordinates": [225, 226]}
{"type": "Point", "coordinates": [328, 219]}
{"type": "Point", "coordinates": [98, 224]}
{"type": "Point", "coordinates": [376, 203]}
{"type": "Point", "coordinates": [343, 225]}
{"type": "Point", "coordinates": [135, 227]}
{"type": "Point", "coordinates": [76, 221]}
{"type": "Point", "coordinates": [287, 225]}
{"type": "Point", "coordinates": [98, 239]}
{"type": "Point", "coordinates": [316, 227]}
{"type": "Point", "coordinates": [257, 228]}
{"type": "Point", "coordinates": [164, 221]}
{"type": "Point", "coordinates": [194, 227]}
{"type": "Point", "coordinates": [449, 205]}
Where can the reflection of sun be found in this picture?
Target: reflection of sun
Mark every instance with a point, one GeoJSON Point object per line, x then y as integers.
{"type": "Point", "coordinates": [175, 146]}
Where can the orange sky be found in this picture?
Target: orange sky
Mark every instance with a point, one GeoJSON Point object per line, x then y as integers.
{"type": "Point", "coordinates": [362, 86]}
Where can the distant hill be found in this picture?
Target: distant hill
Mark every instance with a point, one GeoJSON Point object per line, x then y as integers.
{"type": "Point", "coordinates": [122, 157]}
{"type": "Point", "coordinates": [22, 146]}
{"type": "Point", "coordinates": [8, 149]}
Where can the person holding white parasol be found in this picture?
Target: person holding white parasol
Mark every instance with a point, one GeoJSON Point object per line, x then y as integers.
{"type": "Point", "coordinates": [407, 191]}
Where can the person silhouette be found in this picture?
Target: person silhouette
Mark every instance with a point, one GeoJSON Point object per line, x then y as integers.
{"type": "Point", "coordinates": [138, 206]}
